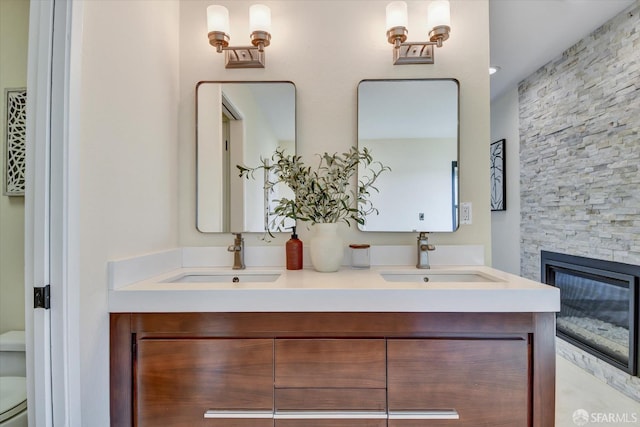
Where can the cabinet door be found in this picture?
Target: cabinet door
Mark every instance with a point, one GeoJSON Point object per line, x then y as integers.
{"type": "Point", "coordinates": [179, 380]}
{"type": "Point", "coordinates": [484, 381]}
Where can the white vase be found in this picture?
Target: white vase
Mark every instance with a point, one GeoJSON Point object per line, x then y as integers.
{"type": "Point", "coordinates": [326, 248]}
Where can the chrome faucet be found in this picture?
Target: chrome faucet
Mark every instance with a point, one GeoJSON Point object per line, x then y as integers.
{"type": "Point", "coordinates": [238, 252]}
{"type": "Point", "coordinates": [423, 251]}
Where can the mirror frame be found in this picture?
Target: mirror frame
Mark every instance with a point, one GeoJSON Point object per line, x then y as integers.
{"type": "Point", "coordinates": [455, 167]}
{"type": "Point", "coordinates": [198, 148]}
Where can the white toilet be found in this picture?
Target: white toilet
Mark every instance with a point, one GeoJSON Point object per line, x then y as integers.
{"type": "Point", "coordinates": [13, 383]}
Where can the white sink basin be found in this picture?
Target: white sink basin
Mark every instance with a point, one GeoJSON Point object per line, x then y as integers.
{"type": "Point", "coordinates": [440, 276]}
{"type": "Point", "coordinates": [239, 277]}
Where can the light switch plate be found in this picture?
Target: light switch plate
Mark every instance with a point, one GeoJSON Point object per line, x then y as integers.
{"type": "Point", "coordinates": [465, 213]}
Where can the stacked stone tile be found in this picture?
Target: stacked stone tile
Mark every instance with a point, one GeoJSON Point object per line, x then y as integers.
{"type": "Point", "coordinates": [580, 149]}
{"type": "Point", "coordinates": [580, 160]}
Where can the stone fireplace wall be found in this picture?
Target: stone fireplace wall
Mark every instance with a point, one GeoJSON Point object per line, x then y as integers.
{"type": "Point", "coordinates": [580, 149]}
{"type": "Point", "coordinates": [580, 161]}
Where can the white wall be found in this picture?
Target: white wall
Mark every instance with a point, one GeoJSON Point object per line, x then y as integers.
{"type": "Point", "coordinates": [505, 225]}
{"type": "Point", "coordinates": [128, 151]}
{"type": "Point", "coordinates": [14, 30]}
{"type": "Point", "coordinates": [326, 67]}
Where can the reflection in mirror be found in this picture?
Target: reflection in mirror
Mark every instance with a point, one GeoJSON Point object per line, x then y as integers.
{"type": "Point", "coordinates": [412, 127]}
{"type": "Point", "coordinates": [240, 123]}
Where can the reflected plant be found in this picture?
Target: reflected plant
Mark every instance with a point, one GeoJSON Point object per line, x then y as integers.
{"type": "Point", "coordinates": [322, 193]}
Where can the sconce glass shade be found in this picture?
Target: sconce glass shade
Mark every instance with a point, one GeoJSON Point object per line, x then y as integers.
{"type": "Point", "coordinates": [439, 14]}
{"type": "Point", "coordinates": [259, 18]}
{"type": "Point", "coordinates": [218, 19]}
{"type": "Point", "coordinates": [397, 15]}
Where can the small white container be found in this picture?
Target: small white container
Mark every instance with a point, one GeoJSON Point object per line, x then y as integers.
{"type": "Point", "coordinates": [360, 256]}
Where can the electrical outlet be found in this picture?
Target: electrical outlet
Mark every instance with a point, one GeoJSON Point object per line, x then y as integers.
{"type": "Point", "coordinates": [465, 213]}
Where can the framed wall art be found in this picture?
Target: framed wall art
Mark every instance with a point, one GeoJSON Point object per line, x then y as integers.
{"type": "Point", "coordinates": [498, 175]}
{"type": "Point", "coordinates": [15, 138]}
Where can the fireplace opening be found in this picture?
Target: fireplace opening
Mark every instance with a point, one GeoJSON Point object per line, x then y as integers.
{"type": "Point", "coordinates": [598, 306]}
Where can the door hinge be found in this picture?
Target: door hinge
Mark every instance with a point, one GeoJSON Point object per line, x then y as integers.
{"type": "Point", "coordinates": [42, 297]}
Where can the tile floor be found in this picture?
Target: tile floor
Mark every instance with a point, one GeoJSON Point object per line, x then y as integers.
{"type": "Point", "coordinates": [605, 406]}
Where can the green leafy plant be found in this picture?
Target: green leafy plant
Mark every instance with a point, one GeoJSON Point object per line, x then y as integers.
{"type": "Point", "coordinates": [322, 193]}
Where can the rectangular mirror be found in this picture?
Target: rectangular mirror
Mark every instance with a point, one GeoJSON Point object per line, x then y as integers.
{"type": "Point", "coordinates": [240, 123]}
{"type": "Point", "coordinates": [412, 126]}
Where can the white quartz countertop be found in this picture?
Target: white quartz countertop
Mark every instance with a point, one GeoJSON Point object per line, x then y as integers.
{"type": "Point", "coordinates": [346, 290]}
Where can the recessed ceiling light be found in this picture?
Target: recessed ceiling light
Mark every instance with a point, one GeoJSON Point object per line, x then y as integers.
{"type": "Point", "coordinates": [493, 69]}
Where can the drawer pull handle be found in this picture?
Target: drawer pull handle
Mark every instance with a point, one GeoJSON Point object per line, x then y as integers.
{"type": "Point", "coordinates": [238, 414]}
{"type": "Point", "coordinates": [330, 415]}
{"type": "Point", "coordinates": [440, 414]}
{"type": "Point", "coordinates": [447, 414]}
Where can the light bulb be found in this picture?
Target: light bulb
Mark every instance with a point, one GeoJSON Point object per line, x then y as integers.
{"type": "Point", "coordinates": [218, 19]}
{"type": "Point", "coordinates": [438, 14]}
{"type": "Point", "coordinates": [259, 18]}
{"type": "Point", "coordinates": [396, 14]}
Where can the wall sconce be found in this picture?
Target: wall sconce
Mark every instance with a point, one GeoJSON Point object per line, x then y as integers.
{"type": "Point", "coordinates": [439, 20]}
{"type": "Point", "coordinates": [240, 56]}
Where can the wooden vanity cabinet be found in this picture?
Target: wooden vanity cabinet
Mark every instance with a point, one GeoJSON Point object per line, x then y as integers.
{"type": "Point", "coordinates": [301, 369]}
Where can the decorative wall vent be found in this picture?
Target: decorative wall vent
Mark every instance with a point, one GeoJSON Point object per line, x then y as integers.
{"type": "Point", "coordinates": [16, 126]}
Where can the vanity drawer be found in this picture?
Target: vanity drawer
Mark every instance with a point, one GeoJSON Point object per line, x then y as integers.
{"type": "Point", "coordinates": [485, 381]}
{"type": "Point", "coordinates": [335, 363]}
{"type": "Point", "coordinates": [237, 423]}
{"type": "Point", "coordinates": [331, 399]}
{"type": "Point", "coordinates": [331, 423]}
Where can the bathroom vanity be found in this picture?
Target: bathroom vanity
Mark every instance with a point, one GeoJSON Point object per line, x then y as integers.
{"type": "Point", "coordinates": [468, 347]}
